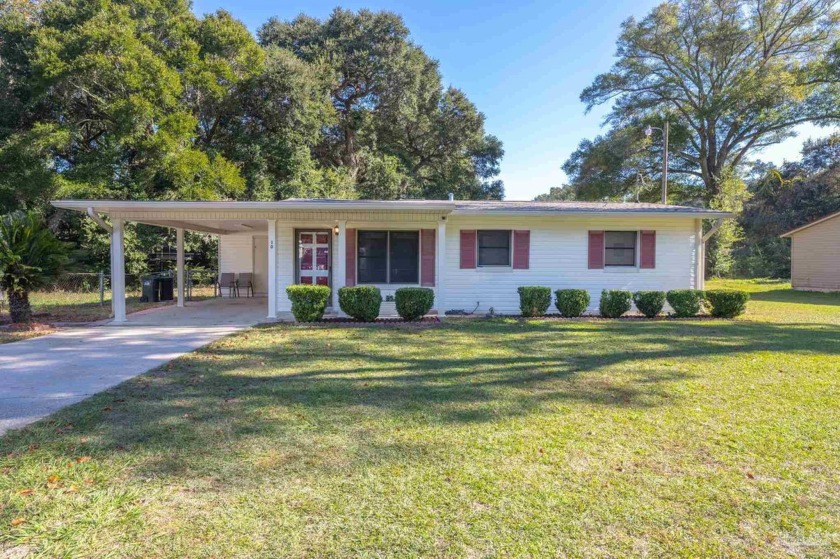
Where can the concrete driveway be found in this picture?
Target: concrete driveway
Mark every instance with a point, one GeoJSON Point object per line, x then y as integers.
{"type": "Point", "coordinates": [42, 375]}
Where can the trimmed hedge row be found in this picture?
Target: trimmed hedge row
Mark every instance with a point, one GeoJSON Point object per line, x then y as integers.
{"type": "Point", "coordinates": [535, 300]}
{"type": "Point", "coordinates": [308, 301]}
{"type": "Point", "coordinates": [362, 302]}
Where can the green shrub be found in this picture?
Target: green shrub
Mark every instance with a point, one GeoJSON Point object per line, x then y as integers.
{"type": "Point", "coordinates": [571, 302]}
{"type": "Point", "coordinates": [414, 302]}
{"type": "Point", "coordinates": [361, 302]}
{"type": "Point", "coordinates": [614, 302]}
{"type": "Point", "coordinates": [649, 303]}
{"type": "Point", "coordinates": [685, 302]}
{"type": "Point", "coordinates": [534, 300]}
{"type": "Point", "coordinates": [308, 301]}
{"type": "Point", "coordinates": [727, 303]}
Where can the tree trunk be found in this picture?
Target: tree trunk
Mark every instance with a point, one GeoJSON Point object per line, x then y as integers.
{"type": "Point", "coordinates": [19, 307]}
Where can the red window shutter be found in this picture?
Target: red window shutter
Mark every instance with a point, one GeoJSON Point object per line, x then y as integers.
{"type": "Point", "coordinates": [596, 250]}
{"type": "Point", "coordinates": [350, 258]}
{"type": "Point", "coordinates": [521, 249]}
{"type": "Point", "coordinates": [647, 248]}
{"type": "Point", "coordinates": [427, 257]}
{"type": "Point", "coordinates": [467, 249]}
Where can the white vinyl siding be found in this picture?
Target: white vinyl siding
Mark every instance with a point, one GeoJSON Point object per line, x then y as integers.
{"type": "Point", "coordinates": [559, 259]}
{"type": "Point", "coordinates": [236, 253]}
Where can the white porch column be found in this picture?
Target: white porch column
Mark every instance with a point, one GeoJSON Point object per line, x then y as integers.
{"type": "Point", "coordinates": [340, 275]}
{"type": "Point", "coordinates": [700, 265]}
{"type": "Point", "coordinates": [272, 268]}
{"type": "Point", "coordinates": [117, 270]}
{"type": "Point", "coordinates": [179, 249]}
{"type": "Point", "coordinates": [441, 267]}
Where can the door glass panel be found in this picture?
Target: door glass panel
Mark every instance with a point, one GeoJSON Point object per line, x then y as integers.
{"type": "Point", "coordinates": [321, 258]}
{"type": "Point", "coordinates": [322, 238]}
{"type": "Point", "coordinates": [306, 279]}
{"type": "Point", "coordinates": [305, 258]}
{"type": "Point", "coordinates": [323, 280]}
{"type": "Point", "coordinates": [306, 238]}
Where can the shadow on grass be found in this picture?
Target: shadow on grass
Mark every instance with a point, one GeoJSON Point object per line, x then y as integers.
{"type": "Point", "coordinates": [286, 388]}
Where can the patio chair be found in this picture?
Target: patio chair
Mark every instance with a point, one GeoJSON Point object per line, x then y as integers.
{"type": "Point", "coordinates": [246, 280]}
{"type": "Point", "coordinates": [227, 279]}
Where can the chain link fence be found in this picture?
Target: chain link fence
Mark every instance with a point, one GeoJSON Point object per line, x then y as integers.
{"type": "Point", "coordinates": [90, 287]}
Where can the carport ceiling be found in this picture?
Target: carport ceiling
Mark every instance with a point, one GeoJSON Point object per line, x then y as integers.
{"type": "Point", "coordinates": [219, 227]}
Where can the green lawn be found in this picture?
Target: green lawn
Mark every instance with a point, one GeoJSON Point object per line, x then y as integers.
{"type": "Point", "coordinates": [497, 438]}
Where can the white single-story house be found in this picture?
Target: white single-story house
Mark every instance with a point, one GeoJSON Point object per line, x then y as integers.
{"type": "Point", "coordinates": [474, 254]}
{"type": "Point", "coordinates": [815, 255]}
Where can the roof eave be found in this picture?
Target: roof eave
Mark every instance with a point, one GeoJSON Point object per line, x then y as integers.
{"type": "Point", "coordinates": [598, 213]}
{"type": "Point", "coordinates": [106, 206]}
{"type": "Point", "coordinates": [792, 232]}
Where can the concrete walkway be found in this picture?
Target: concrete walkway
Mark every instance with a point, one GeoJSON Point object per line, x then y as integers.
{"type": "Point", "coordinates": [42, 375]}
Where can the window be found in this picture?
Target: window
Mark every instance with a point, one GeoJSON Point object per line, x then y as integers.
{"type": "Point", "coordinates": [620, 248]}
{"type": "Point", "coordinates": [389, 256]}
{"type": "Point", "coordinates": [494, 248]}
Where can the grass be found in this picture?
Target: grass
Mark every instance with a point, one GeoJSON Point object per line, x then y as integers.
{"type": "Point", "coordinates": [476, 439]}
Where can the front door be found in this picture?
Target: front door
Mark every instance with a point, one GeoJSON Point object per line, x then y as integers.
{"type": "Point", "coordinates": [313, 257]}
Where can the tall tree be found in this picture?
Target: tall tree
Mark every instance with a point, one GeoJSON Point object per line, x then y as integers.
{"type": "Point", "coordinates": [735, 75]}
{"type": "Point", "coordinates": [398, 132]}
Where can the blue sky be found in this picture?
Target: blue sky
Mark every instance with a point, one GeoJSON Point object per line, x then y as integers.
{"type": "Point", "coordinates": [523, 64]}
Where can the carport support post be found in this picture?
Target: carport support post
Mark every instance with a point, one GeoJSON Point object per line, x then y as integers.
{"type": "Point", "coordinates": [441, 267]}
{"type": "Point", "coordinates": [117, 270]}
{"type": "Point", "coordinates": [272, 268]}
{"type": "Point", "coordinates": [179, 248]}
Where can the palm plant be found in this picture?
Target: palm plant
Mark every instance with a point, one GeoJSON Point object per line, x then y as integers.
{"type": "Point", "coordinates": [30, 255]}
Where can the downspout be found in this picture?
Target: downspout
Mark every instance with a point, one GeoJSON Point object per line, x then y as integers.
{"type": "Point", "coordinates": [715, 228]}
{"type": "Point", "coordinates": [99, 221]}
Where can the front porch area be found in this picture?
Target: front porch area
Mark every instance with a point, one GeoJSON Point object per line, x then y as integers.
{"type": "Point", "coordinates": [268, 246]}
{"type": "Point", "coordinates": [219, 311]}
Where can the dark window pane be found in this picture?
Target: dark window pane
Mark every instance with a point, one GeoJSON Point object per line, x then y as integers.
{"type": "Point", "coordinates": [405, 253]}
{"type": "Point", "coordinates": [620, 248]}
{"type": "Point", "coordinates": [494, 248]}
{"type": "Point", "coordinates": [373, 256]}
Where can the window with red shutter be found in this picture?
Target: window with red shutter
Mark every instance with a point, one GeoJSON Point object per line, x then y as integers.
{"type": "Point", "coordinates": [468, 249]}
{"type": "Point", "coordinates": [647, 246]}
{"type": "Point", "coordinates": [427, 257]}
{"type": "Point", "coordinates": [350, 258]}
{"type": "Point", "coordinates": [521, 249]}
{"type": "Point", "coordinates": [596, 250]}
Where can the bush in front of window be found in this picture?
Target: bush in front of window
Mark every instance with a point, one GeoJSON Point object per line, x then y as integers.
{"type": "Point", "coordinates": [414, 303]}
{"type": "Point", "coordinates": [534, 300]}
{"type": "Point", "coordinates": [614, 302]}
{"type": "Point", "coordinates": [649, 303]}
{"type": "Point", "coordinates": [727, 303]}
{"type": "Point", "coordinates": [361, 302]}
{"type": "Point", "coordinates": [571, 303]}
{"type": "Point", "coordinates": [685, 302]}
{"type": "Point", "coordinates": [308, 301]}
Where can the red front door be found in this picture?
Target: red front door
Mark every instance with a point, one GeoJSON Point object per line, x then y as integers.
{"type": "Point", "coordinates": [314, 257]}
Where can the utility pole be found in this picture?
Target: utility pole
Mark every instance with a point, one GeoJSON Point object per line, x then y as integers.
{"type": "Point", "coordinates": [665, 164]}
{"type": "Point", "coordinates": [649, 132]}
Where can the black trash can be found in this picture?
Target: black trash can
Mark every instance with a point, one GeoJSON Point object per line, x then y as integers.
{"type": "Point", "coordinates": [150, 289]}
{"type": "Point", "coordinates": [166, 288]}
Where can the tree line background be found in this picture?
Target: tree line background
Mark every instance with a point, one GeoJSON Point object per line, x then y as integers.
{"type": "Point", "coordinates": [144, 100]}
{"type": "Point", "coordinates": [731, 77]}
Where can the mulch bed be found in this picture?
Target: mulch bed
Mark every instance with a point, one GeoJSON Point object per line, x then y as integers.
{"type": "Point", "coordinates": [585, 318]}
{"type": "Point", "coordinates": [390, 321]}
